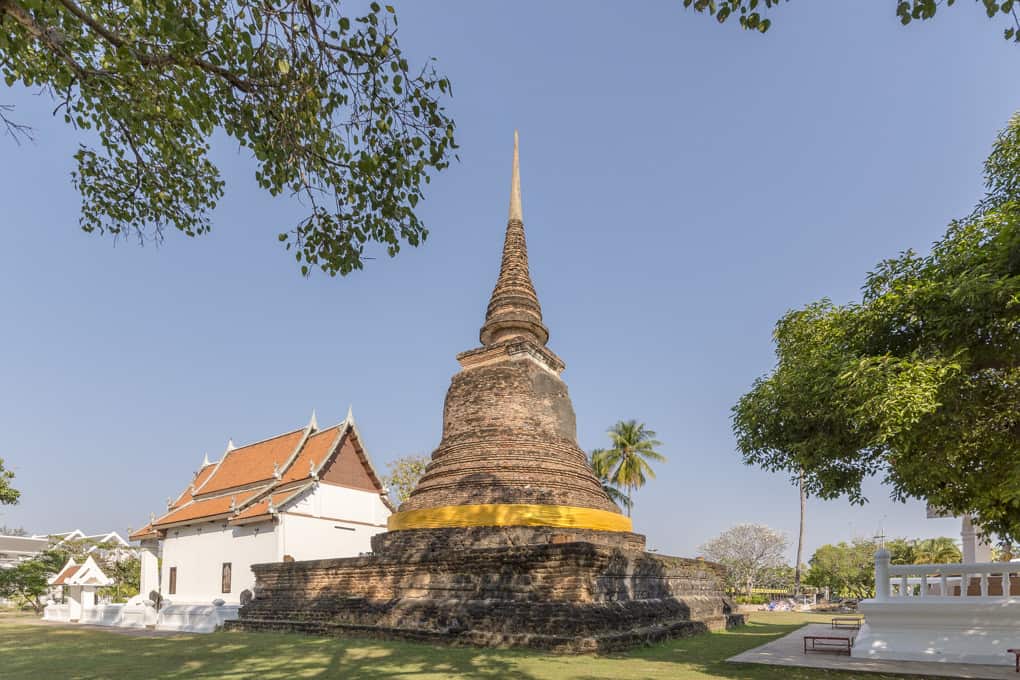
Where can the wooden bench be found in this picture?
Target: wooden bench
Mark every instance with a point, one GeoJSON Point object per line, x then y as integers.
{"type": "Point", "coordinates": [847, 622]}
{"type": "Point", "coordinates": [1016, 653]}
{"type": "Point", "coordinates": [828, 643]}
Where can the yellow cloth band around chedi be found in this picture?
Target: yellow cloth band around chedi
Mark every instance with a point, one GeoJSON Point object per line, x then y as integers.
{"type": "Point", "coordinates": [502, 515]}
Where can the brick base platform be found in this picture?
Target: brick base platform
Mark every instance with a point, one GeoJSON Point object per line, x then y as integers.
{"type": "Point", "coordinates": [565, 597]}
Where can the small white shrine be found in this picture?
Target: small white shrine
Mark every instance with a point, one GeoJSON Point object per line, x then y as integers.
{"type": "Point", "coordinates": [79, 583]}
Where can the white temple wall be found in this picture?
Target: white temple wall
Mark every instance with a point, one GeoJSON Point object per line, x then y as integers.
{"type": "Point", "coordinates": [340, 502]}
{"type": "Point", "coordinates": [309, 538]}
{"type": "Point", "coordinates": [148, 580]}
{"type": "Point", "coordinates": [199, 551]}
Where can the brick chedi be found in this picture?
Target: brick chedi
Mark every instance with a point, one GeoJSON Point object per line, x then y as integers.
{"type": "Point", "coordinates": [509, 455]}
{"type": "Point", "coordinates": [508, 538]}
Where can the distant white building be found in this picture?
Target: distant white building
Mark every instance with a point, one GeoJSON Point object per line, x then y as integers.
{"type": "Point", "coordinates": [305, 494]}
{"type": "Point", "coordinates": [111, 546]}
{"type": "Point", "coordinates": [15, 549]}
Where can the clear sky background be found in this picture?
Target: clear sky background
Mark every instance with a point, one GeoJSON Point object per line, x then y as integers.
{"type": "Point", "coordinates": [684, 185]}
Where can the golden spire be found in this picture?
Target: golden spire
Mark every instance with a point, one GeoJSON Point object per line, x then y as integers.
{"type": "Point", "coordinates": [514, 311]}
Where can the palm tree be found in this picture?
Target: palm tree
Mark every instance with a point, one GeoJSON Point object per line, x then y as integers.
{"type": "Point", "coordinates": [936, 551]}
{"type": "Point", "coordinates": [600, 466]}
{"type": "Point", "coordinates": [633, 446]}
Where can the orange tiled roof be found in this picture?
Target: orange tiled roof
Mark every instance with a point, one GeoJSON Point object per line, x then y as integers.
{"type": "Point", "coordinates": [208, 507]}
{"type": "Point", "coordinates": [66, 574]}
{"type": "Point", "coordinates": [261, 507]}
{"type": "Point", "coordinates": [253, 463]}
{"type": "Point", "coordinates": [199, 479]}
{"type": "Point", "coordinates": [145, 532]}
{"type": "Point", "coordinates": [246, 475]}
{"type": "Point", "coordinates": [315, 450]}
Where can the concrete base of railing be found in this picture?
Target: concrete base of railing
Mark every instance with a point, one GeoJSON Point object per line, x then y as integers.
{"type": "Point", "coordinates": [195, 618]}
{"type": "Point", "coordinates": [948, 629]}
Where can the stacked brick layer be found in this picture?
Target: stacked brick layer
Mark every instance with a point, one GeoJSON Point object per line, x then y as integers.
{"type": "Point", "coordinates": [568, 597]}
{"type": "Point", "coordinates": [509, 436]}
{"type": "Point", "coordinates": [417, 543]}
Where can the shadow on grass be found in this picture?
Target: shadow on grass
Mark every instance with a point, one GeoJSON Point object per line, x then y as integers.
{"type": "Point", "coordinates": [34, 652]}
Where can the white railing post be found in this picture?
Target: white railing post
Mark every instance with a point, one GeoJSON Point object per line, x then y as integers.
{"type": "Point", "coordinates": [943, 585]}
{"type": "Point", "coordinates": [882, 575]}
{"type": "Point", "coordinates": [964, 584]}
{"type": "Point", "coordinates": [924, 585]}
{"type": "Point", "coordinates": [984, 584]}
{"type": "Point", "coordinates": [1005, 584]}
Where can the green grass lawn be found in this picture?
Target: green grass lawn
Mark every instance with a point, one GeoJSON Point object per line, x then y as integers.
{"type": "Point", "coordinates": [35, 652]}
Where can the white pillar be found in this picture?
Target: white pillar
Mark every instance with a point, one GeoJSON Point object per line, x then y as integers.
{"type": "Point", "coordinates": [974, 549]}
{"type": "Point", "coordinates": [882, 575]}
{"type": "Point", "coordinates": [148, 580]}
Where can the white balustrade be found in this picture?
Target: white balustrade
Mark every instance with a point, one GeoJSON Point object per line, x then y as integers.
{"type": "Point", "coordinates": [953, 579]}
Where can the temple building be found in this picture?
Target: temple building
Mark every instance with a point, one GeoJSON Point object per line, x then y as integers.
{"type": "Point", "coordinates": [302, 495]}
{"type": "Point", "coordinates": [508, 538]}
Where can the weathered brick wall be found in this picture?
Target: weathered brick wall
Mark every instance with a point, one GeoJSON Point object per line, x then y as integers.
{"type": "Point", "coordinates": [421, 541]}
{"type": "Point", "coordinates": [571, 596]}
{"type": "Point", "coordinates": [508, 437]}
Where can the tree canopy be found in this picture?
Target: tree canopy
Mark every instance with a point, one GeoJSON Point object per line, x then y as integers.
{"type": "Point", "coordinates": [626, 462]}
{"type": "Point", "coordinates": [8, 494]}
{"type": "Point", "coordinates": [750, 552]}
{"type": "Point", "coordinates": [600, 466]}
{"type": "Point", "coordinates": [848, 569]}
{"type": "Point", "coordinates": [917, 382]}
{"type": "Point", "coordinates": [327, 105]}
{"type": "Point", "coordinates": [751, 13]}
{"type": "Point", "coordinates": [403, 476]}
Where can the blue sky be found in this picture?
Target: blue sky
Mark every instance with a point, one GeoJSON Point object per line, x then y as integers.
{"type": "Point", "coordinates": [684, 185]}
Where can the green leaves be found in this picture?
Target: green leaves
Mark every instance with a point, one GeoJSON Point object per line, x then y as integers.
{"type": "Point", "coordinates": [751, 18]}
{"type": "Point", "coordinates": [327, 105]}
{"type": "Point", "coordinates": [403, 476]}
{"type": "Point", "coordinates": [8, 494]}
{"type": "Point", "coordinates": [919, 382]}
{"type": "Point", "coordinates": [626, 463]}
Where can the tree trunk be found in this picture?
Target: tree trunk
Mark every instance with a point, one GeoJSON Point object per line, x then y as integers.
{"type": "Point", "coordinates": [800, 538]}
{"type": "Point", "coordinates": [630, 503]}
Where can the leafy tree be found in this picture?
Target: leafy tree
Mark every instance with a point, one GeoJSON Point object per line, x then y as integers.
{"type": "Point", "coordinates": [918, 381]}
{"type": "Point", "coordinates": [601, 468]}
{"type": "Point", "coordinates": [941, 550]}
{"type": "Point", "coordinates": [12, 531]}
{"type": "Point", "coordinates": [846, 569]}
{"type": "Point", "coordinates": [633, 445]}
{"type": "Point", "coordinates": [327, 105]}
{"type": "Point", "coordinates": [749, 552]}
{"type": "Point", "coordinates": [8, 494]}
{"type": "Point", "coordinates": [26, 581]}
{"type": "Point", "coordinates": [403, 476]}
{"type": "Point", "coordinates": [901, 551]}
{"type": "Point", "coordinates": [751, 13]}
{"type": "Point", "coordinates": [126, 574]}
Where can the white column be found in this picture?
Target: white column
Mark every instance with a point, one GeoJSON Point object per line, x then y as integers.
{"type": "Point", "coordinates": [882, 575]}
{"type": "Point", "coordinates": [149, 578]}
{"type": "Point", "coordinates": [974, 549]}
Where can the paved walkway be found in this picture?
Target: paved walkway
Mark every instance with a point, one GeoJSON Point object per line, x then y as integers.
{"type": "Point", "coordinates": [789, 651]}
